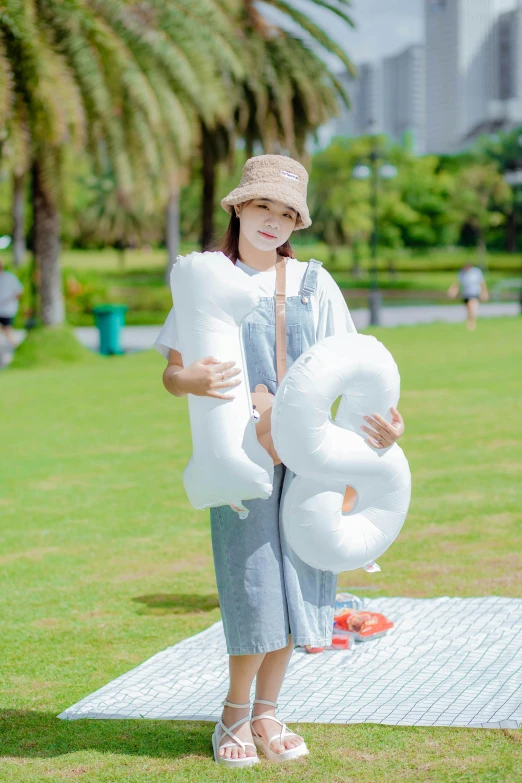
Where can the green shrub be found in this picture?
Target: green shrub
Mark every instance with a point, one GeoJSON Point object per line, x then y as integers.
{"type": "Point", "coordinates": [82, 291]}
{"type": "Point", "coordinates": [49, 346]}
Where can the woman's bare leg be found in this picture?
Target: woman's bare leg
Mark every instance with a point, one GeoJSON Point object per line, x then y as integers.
{"type": "Point", "coordinates": [268, 684]}
{"type": "Point", "coordinates": [472, 308]}
{"type": "Point", "coordinates": [243, 669]}
{"type": "Point", "coordinates": [8, 333]}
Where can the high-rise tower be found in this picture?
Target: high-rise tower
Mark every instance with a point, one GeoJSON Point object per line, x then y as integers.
{"type": "Point", "coordinates": [507, 103]}
{"type": "Point", "coordinates": [460, 79]}
{"type": "Point", "coordinates": [404, 95]}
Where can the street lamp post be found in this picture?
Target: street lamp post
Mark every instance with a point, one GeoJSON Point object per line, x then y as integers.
{"type": "Point", "coordinates": [514, 178]}
{"type": "Point", "coordinates": [375, 172]}
{"type": "Point", "coordinates": [374, 298]}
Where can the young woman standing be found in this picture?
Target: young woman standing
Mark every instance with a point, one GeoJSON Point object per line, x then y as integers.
{"type": "Point", "coordinates": [270, 599]}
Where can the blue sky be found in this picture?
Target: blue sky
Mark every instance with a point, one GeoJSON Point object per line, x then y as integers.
{"type": "Point", "coordinates": [383, 26]}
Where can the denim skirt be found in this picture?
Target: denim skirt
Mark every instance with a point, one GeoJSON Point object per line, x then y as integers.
{"type": "Point", "coordinates": [266, 592]}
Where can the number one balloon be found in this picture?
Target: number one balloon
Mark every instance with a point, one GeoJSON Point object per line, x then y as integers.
{"type": "Point", "coordinates": [228, 464]}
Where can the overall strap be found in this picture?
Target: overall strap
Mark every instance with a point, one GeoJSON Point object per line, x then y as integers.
{"type": "Point", "coordinates": [309, 283]}
{"type": "Point", "coordinates": [280, 317]}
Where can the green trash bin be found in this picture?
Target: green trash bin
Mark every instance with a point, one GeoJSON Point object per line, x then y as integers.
{"type": "Point", "coordinates": [109, 319]}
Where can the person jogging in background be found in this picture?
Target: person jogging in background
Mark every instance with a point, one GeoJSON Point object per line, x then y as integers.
{"type": "Point", "coordinates": [472, 288]}
{"type": "Point", "coordinates": [11, 290]}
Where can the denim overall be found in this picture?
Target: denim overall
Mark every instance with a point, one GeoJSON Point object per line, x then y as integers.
{"type": "Point", "coordinates": [266, 592]}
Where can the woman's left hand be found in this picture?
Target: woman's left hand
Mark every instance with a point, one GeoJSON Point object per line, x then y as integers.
{"type": "Point", "coordinates": [384, 433]}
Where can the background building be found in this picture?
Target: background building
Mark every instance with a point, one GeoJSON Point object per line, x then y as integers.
{"type": "Point", "coordinates": [367, 106]}
{"type": "Point", "coordinates": [459, 70]}
{"type": "Point", "coordinates": [346, 123]}
{"type": "Point", "coordinates": [507, 100]}
{"type": "Point", "coordinates": [369, 98]}
{"type": "Point", "coordinates": [465, 81]}
{"type": "Point", "coordinates": [404, 95]}
{"type": "Point", "coordinates": [387, 97]}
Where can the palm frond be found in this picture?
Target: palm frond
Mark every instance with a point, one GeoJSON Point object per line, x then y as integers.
{"type": "Point", "coordinates": [316, 32]}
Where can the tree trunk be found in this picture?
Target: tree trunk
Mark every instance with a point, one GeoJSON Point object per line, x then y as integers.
{"type": "Point", "coordinates": [34, 315]}
{"type": "Point", "coordinates": [47, 248]}
{"type": "Point", "coordinates": [172, 229]}
{"type": "Point", "coordinates": [356, 263]}
{"type": "Point", "coordinates": [209, 187]}
{"type": "Point", "coordinates": [511, 233]}
{"type": "Point", "coordinates": [19, 246]}
{"type": "Point", "coordinates": [331, 241]}
{"type": "Point", "coordinates": [482, 250]}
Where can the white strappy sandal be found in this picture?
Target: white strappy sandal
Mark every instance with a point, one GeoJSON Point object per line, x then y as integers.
{"type": "Point", "coordinates": [221, 729]}
{"type": "Point", "coordinates": [285, 755]}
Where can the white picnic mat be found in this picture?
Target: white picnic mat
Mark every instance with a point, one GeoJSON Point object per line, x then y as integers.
{"type": "Point", "coordinates": [447, 662]}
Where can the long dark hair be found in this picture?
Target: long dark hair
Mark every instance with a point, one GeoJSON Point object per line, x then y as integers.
{"type": "Point", "coordinates": [229, 242]}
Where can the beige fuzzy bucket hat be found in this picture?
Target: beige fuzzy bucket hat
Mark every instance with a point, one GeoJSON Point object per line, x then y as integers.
{"type": "Point", "coordinates": [273, 176]}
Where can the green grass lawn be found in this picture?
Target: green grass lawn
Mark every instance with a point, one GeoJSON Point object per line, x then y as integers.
{"type": "Point", "coordinates": [140, 282]}
{"type": "Point", "coordinates": [432, 260]}
{"type": "Point", "coordinates": [104, 563]}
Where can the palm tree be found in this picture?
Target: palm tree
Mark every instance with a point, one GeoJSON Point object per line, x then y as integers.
{"type": "Point", "coordinates": [15, 153]}
{"type": "Point", "coordinates": [287, 92]}
{"type": "Point", "coordinates": [109, 221]}
{"type": "Point", "coordinates": [128, 81]}
{"type": "Point", "coordinates": [19, 180]}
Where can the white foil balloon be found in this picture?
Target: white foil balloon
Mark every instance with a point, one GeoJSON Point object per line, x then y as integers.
{"type": "Point", "coordinates": [330, 456]}
{"type": "Point", "coordinates": [228, 464]}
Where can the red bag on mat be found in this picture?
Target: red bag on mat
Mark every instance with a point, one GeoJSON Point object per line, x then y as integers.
{"type": "Point", "coordinates": [362, 625]}
{"type": "Point", "coordinates": [354, 624]}
{"type": "Point", "coordinates": [340, 641]}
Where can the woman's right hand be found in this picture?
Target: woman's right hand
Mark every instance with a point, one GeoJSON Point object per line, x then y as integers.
{"type": "Point", "coordinates": [206, 377]}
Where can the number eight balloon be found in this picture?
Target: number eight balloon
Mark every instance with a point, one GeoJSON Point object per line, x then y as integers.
{"type": "Point", "coordinates": [332, 460]}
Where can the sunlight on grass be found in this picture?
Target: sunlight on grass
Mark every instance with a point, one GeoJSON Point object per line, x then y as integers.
{"type": "Point", "coordinates": [104, 562]}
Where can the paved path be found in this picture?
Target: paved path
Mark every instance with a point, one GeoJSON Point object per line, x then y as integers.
{"type": "Point", "coordinates": [138, 338]}
{"type": "Point", "coordinates": [405, 315]}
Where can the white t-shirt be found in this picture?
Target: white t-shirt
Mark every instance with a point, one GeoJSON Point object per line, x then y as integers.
{"type": "Point", "coordinates": [470, 281]}
{"type": "Point", "coordinates": [329, 309]}
{"type": "Point", "coordinates": [9, 287]}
